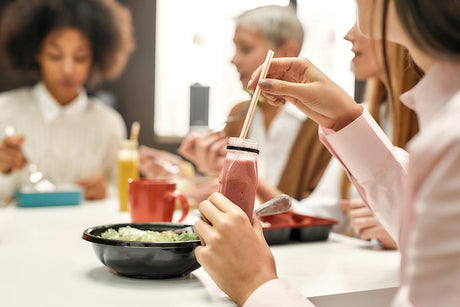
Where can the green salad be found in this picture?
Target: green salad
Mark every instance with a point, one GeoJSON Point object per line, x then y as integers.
{"type": "Point", "coordinates": [129, 233]}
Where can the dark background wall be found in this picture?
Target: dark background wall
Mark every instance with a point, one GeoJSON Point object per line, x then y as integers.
{"type": "Point", "coordinates": [134, 90]}
{"type": "Point", "coordinates": [7, 79]}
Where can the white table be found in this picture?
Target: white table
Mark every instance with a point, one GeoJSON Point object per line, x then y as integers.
{"type": "Point", "coordinates": [44, 262]}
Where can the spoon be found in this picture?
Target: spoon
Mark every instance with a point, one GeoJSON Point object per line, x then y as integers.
{"type": "Point", "coordinates": [35, 176]}
{"type": "Point", "coordinates": [276, 205]}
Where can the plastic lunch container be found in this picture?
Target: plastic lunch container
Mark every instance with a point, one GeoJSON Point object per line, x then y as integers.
{"type": "Point", "coordinates": [65, 195]}
{"type": "Point", "coordinates": [289, 226]}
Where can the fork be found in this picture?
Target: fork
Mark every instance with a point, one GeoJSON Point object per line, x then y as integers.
{"type": "Point", "coordinates": [36, 178]}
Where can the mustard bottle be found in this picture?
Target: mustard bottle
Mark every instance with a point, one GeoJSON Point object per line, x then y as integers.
{"type": "Point", "coordinates": [128, 168]}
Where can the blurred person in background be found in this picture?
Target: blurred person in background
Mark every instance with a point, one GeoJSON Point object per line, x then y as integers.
{"type": "Point", "coordinates": [66, 46]}
{"type": "Point", "coordinates": [398, 122]}
{"type": "Point", "coordinates": [335, 197]}
{"type": "Point", "coordinates": [291, 158]}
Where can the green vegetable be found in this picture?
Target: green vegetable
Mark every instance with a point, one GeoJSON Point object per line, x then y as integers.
{"type": "Point", "coordinates": [129, 233]}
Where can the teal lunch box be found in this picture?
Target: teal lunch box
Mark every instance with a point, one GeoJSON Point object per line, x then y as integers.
{"type": "Point", "coordinates": [66, 195]}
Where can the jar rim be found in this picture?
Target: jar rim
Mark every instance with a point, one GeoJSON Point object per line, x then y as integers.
{"type": "Point", "coordinates": [242, 142]}
{"type": "Point", "coordinates": [231, 147]}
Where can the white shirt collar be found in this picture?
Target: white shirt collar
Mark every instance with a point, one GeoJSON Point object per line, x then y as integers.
{"type": "Point", "coordinates": [51, 109]}
{"type": "Point", "coordinates": [440, 83]}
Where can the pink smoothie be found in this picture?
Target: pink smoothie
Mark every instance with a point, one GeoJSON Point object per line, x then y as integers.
{"type": "Point", "coordinates": [239, 183]}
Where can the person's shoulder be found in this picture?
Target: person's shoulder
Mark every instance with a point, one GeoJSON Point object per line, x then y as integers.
{"type": "Point", "coordinates": [15, 95]}
{"type": "Point", "coordinates": [16, 100]}
{"type": "Point", "coordinates": [239, 107]}
{"type": "Point", "coordinates": [101, 109]}
{"type": "Point", "coordinates": [105, 115]}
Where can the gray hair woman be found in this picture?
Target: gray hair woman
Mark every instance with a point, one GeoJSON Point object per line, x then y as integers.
{"type": "Point", "coordinates": [293, 158]}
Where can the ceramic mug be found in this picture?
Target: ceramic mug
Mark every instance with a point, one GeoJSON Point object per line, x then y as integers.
{"type": "Point", "coordinates": [154, 200]}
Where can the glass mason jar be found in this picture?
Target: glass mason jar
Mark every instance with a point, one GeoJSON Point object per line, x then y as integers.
{"type": "Point", "coordinates": [238, 179]}
{"type": "Point", "coordinates": [128, 168]}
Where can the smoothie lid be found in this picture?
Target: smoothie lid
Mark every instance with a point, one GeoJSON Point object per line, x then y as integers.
{"type": "Point", "coordinates": [243, 144]}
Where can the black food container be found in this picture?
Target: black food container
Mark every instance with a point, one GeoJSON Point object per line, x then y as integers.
{"type": "Point", "coordinates": [144, 259]}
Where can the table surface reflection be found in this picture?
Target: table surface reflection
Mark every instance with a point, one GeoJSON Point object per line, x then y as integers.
{"type": "Point", "coordinates": [44, 262]}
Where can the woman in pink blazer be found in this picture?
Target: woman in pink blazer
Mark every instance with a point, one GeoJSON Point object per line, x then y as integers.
{"type": "Point", "coordinates": [414, 193]}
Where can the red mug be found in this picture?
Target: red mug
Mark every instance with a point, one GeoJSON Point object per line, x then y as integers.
{"type": "Point", "coordinates": [154, 200]}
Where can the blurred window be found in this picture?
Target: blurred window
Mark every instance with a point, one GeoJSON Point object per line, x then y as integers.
{"type": "Point", "coordinates": [194, 44]}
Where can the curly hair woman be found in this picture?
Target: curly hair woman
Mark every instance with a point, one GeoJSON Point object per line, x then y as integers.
{"type": "Point", "coordinates": [65, 46]}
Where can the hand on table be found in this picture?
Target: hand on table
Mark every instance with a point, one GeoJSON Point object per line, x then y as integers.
{"type": "Point", "coordinates": [233, 252]}
{"type": "Point", "coordinates": [366, 225]}
{"type": "Point", "coordinates": [207, 151]}
{"type": "Point", "coordinates": [95, 187]}
{"type": "Point", "coordinates": [11, 155]}
{"type": "Point", "coordinates": [297, 80]}
{"type": "Point", "coordinates": [155, 163]}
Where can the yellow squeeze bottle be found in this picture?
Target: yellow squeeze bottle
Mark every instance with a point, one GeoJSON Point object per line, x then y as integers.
{"type": "Point", "coordinates": [128, 168]}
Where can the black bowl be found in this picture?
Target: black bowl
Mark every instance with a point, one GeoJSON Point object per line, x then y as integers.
{"type": "Point", "coordinates": [144, 259]}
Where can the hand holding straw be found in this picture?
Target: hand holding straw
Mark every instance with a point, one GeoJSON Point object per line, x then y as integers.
{"type": "Point", "coordinates": [135, 127]}
{"type": "Point", "coordinates": [255, 97]}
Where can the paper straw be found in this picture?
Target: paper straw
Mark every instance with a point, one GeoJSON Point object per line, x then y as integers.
{"type": "Point", "coordinates": [135, 127]}
{"type": "Point", "coordinates": [255, 97]}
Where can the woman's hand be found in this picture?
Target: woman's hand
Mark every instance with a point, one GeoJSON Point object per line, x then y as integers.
{"type": "Point", "coordinates": [297, 80]}
{"type": "Point", "coordinates": [95, 187]}
{"type": "Point", "coordinates": [367, 226]}
{"type": "Point", "coordinates": [11, 155]}
{"type": "Point", "coordinates": [187, 146]}
{"type": "Point", "coordinates": [233, 252]}
{"type": "Point", "coordinates": [207, 152]}
{"type": "Point", "coordinates": [155, 163]}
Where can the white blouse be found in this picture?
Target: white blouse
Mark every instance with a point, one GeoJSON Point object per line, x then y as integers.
{"type": "Point", "coordinates": [66, 143]}
{"type": "Point", "coordinates": [276, 143]}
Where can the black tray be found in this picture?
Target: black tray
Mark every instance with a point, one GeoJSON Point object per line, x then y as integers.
{"type": "Point", "coordinates": [290, 226]}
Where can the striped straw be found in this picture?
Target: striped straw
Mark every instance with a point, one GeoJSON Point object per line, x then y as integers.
{"type": "Point", "coordinates": [255, 97]}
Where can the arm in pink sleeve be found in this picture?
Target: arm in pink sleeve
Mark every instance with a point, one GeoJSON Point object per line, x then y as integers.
{"type": "Point", "coordinates": [432, 275]}
{"type": "Point", "coordinates": [375, 166]}
{"type": "Point", "coordinates": [277, 292]}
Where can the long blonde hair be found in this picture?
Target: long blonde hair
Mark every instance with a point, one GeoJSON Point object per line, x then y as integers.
{"type": "Point", "coordinates": [403, 75]}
